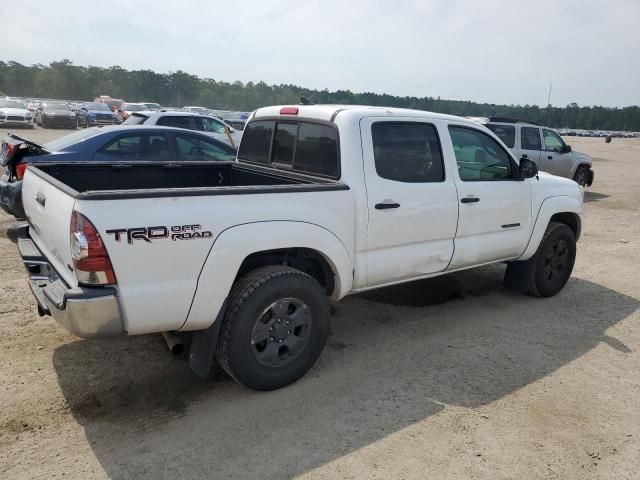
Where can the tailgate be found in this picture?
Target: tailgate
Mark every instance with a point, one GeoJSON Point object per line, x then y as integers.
{"type": "Point", "coordinates": [49, 209]}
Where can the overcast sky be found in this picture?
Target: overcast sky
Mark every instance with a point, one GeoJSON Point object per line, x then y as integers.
{"type": "Point", "coordinates": [499, 51]}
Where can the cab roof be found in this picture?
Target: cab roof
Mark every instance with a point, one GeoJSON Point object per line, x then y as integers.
{"type": "Point", "coordinates": [330, 112]}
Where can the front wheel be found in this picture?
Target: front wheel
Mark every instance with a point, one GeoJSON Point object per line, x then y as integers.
{"type": "Point", "coordinates": [582, 175]}
{"type": "Point", "coordinates": [274, 329]}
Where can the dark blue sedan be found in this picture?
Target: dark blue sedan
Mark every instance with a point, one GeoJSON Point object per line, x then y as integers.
{"type": "Point", "coordinates": [92, 114]}
{"type": "Point", "coordinates": [110, 145]}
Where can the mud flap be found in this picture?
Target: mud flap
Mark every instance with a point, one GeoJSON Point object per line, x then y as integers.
{"type": "Point", "coordinates": [203, 347]}
{"type": "Point", "coordinates": [518, 275]}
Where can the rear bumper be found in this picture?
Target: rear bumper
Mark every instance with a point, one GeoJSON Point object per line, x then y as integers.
{"type": "Point", "coordinates": [84, 311]}
{"type": "Point", "coordinates": [11, 197]}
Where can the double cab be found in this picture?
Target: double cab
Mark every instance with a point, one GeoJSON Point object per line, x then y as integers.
{"type": "Point", "coordinates": [323, 201]}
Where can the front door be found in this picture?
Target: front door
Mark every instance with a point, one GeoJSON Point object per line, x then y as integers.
{"type": "Point", "coordinates": [554, 157]}
{"type": "Point", "coordinates": [495, 205]}
{"type": "Point", "coordinates": [412, 200]}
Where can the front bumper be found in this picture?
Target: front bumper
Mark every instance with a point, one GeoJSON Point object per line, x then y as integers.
{"type": "Point", "coordinates": [93, 121]}
{"type": "Point", "coordinates": [59, 121]}
{"type": "Point", "coordinates": [84, 311]}
{"type": "Point", "coordinates": [11, 197]}
{"type": "Point", "coordinates": [23, 122]}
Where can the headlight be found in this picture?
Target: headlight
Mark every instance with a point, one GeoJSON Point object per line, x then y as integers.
{"type": "Point", "coordinates": [28, 116]}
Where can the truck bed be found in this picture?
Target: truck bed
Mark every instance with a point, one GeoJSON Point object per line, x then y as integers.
{"type": "Point", "coordinates": [97, 181]}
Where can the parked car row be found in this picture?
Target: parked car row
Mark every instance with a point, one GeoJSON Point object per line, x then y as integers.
{"type": "Point", "coordinates": [140, 229]}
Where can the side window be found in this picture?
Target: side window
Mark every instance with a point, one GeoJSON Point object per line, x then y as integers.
{"type": "Point", "coordinates": [189, 123]}
{"type": "Point", "coordinates": [530, 138]}
{"type": "Point", "coordinates": [125, 146]}
{"type": "Point", "coordinates": [139, 147]}
{"type": "Point", "coordinates": [192, 148]}
{"type": "Point", "coordinates": [256, 142]}
{"type": "Point", "coordinates": [506, 133]}
{"type": "Point", "coordinates": [317, 150]}
{"type": "Point", "coordinates": [552, 141]}
{"type": "Point", "coordinates": [284, 143]}
{"type": "Point", "coordinates": [211, 125]}
{"type": "Point", "coordinates": [407, 152]}
{"type": "Point", "coordinates": [479, 157]}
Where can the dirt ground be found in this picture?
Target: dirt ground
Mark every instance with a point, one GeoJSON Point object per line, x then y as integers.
{"type": "Point", "coordinates": [444, 378]}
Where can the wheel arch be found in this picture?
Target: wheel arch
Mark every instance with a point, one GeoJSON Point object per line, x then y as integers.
{"type": "Point", "coordinates": [237, 250]}
{"type": "Point", "coordinates": [563, 209]}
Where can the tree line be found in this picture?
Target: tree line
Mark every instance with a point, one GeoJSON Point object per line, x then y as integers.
{"type": "Point", "coordinates": [64, 80]}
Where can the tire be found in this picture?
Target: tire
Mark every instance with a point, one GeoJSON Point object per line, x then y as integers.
{"type": "Point", "coordinates": [550, 270]}
{"type": "Point", "coordinates": [257, 346]}
{"type": "Point", "coordinates": [581, 175]}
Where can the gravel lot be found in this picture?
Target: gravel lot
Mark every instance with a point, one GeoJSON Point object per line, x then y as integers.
{"type": "Point", "coordinates": [444, 378]}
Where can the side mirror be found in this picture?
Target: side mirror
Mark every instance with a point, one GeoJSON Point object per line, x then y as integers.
{"type": "Point", "coordinates": [566, 149]}
{"type": "Point", "coordinates": [528, 168]}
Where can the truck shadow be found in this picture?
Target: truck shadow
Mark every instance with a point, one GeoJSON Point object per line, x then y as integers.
{"type": "Point", "coordinates": [396, 356]}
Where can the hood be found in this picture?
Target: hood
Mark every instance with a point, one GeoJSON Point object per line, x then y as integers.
{"type": "Point", "coordinates": [582, 157]}
{"type": "Point", "coordinates": [551, 186]}
{"type": "Point", "coordinates": [15, 111]}
{"type": "Point", "coordinates": [101, 112]}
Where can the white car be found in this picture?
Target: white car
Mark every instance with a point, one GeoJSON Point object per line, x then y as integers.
{"type": "Point", "coordinates": [324, 201]}
{"type": "Point", "coordinates": [15, 112]}
{"type": "Point", "coordinates": [211, 126]}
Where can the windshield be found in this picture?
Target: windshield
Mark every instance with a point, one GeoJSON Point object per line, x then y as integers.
{"type": "Point", "coordinates": [71, 139]}
{"type": "Point", "coordinates": [56, 106]}
{"type": "Point", "coordinates": [12, 104]}
{"type": "Point", "coordinates": [97, 106]}
{"type": "Point", "coordinates": [134, 107]}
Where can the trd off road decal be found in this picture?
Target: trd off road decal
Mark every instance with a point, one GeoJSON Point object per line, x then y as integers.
{"type": "Point", "coordinates": [149, 234]}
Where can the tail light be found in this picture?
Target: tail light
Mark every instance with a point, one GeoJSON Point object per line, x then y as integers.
{"type": "Point", "coordinates": [20, 168]}
{"type": "Point", "coordinates": [90, 258]}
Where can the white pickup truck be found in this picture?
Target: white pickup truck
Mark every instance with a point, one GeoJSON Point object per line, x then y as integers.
{"type": "Point", "coordinates": [324, 201]}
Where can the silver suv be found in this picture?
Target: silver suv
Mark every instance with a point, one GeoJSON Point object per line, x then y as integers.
{"type": "Point", "coordinates": [206, 124]}
{"type": "Point", "coordinates": [544, 146]}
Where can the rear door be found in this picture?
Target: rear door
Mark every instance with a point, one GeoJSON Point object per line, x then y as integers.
{"type": "Point", "coordinates": [412, 201]}
{"type": "Point", "coordinates": [530, 144]}
{"type": "Point", "coordinates": [495, 205]}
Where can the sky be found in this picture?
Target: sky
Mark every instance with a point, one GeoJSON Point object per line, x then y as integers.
{"type": "Point", "coordinates": [497, 51]}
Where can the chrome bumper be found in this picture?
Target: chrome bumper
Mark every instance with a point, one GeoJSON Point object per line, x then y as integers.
{"type": "Point", "coordinates": [84, 311]}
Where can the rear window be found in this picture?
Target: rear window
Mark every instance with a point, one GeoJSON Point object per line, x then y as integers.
{"type": "Point", "coordinates": [284, 143]}
{"type": "Point", "coordinates": [190, 123]}
{"type": "Point", "coordinates": [506, 133]}
{"type": "Point", "coordinates": [303, 146]}
{"type": "Point", "coordinates": [256, 142]}
{"type": "Point", "coordinates": [135, 119]}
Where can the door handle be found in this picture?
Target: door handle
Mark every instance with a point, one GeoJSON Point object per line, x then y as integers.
{"type": "Point", "coordinates": [386, 205]}
{"type": "Point", "coordinates": [470, 200]}
{"type": "Point", "coordinates": [550, 157]}
{"type": "Point", "coordinates": [41, 199]}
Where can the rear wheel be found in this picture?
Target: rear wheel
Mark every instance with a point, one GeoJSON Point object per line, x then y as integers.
{"type": "Point", "coordinates": [275, 327]}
